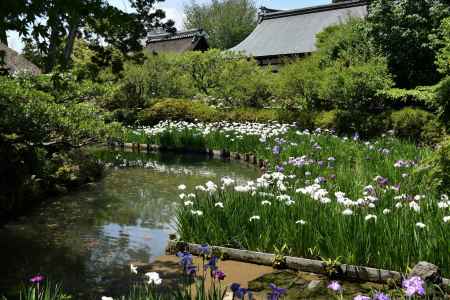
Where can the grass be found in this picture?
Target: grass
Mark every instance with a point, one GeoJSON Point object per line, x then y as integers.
{"type": "Point", "coordinates": [312, 224]}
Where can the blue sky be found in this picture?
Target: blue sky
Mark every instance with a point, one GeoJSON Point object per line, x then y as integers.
{"type": "Point", "coordinates": [174, 10]}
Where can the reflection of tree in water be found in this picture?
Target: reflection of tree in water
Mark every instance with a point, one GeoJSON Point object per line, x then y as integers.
{"type": "Point", "coordinates": [87, 239]}
{"type": "Point", "coordinates": [24, 255]}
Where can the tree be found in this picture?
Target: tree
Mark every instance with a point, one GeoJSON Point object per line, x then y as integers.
{"type": "Point", "coordinates": [227, 22]}
{"type": "Point", "coordinates": [402, 28]}
{"type": "Point", "coordinates": [442, 42]}
{"type": "Point", "coordinates": [12, 17]}
{"type": "Point", "coordinates": [52, 40]}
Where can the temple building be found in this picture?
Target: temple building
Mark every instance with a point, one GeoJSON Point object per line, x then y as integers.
{"type": "Point", "coordinates": [292, 33]}
{"type": "Point", "coordinates": [179, 42]}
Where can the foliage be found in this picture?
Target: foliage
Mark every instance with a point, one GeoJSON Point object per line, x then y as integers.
{"type": "Point", "coordinates": [227, 22]}
{"type": "Point", "coordinates": [420, 96]}
{"type": "Point", "coordinates": [346, 73]}
{"type": "Point", "coordinates": [365, 125]}
{"type": "Point", "coordinates": [443, 42]}
{"type": "Point", "coordinates": [355, 88]}
{"type": "Point", "coordinates": [437, 167]}
{"type": "Point", "coordinates": [299, 84]}
{"type": "Point", "coordinates": [443, 101]}
{"type": "Point", "coordinates": [35, 135]}
{"type": "Point", "coordinates": [305, 215]}
{"type": "Point", "coordinates": [227, 79]}
{"type": "Point", "coordinates": [178, 110]}
{"type": "Point", "coordinates": [403, 30]}
{"type": "Point", "coordinates": [196, 111]}
{"type": "Point", "coordinates": [326, 119]}
{"type": "Point", "coordinates": [416, 125]}
{"type": "Point", "coordinates": [159, 76]}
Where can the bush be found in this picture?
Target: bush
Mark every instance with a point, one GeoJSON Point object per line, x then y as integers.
{"type": "Point", "coordinates": [437, 167]}
{"type": "Point", "coordinates": [367, 125]}
{"type": "Point", "coordinates": [251, 115]}
{"type": "Point", "coordinates": [178, 110]}
{"type": "Point", "coordinates": [302, 118]}
{"type": "Point", "coordinates": [443, 101]}
{"type": "Point", "coordinates": [326, 119]}
{"type": "Point", "coordinates": [298, 84]}
{"type": "Point", "coordinates": [355, 88]}
{"type": "Point", "coordinates": [416, 125]}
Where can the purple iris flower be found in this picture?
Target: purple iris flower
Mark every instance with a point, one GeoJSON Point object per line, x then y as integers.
{"type": "Point", "coordinates": [37, 279]}
{"type": "Point", "coordinates": [185, 259]}
{"type": "Point", "coordinates": [204, 249]}
{"type": "Point", "coordinates": [238, 291]}
{"type": "Point", "coordinates": [382, 182]}
{"type": "Point", "coordinates": [335, 286]}
{"type": "Point", "coordinates": [320, 163]}
{"type": "Point", "coordinates": [217, 274]}
{"type": "Point", "coordinates": [276, 150]}
{"type": "Point", "coordinates": [212, 263]}
{"type": "Point", "coordinates": [414, 285]}
{"type": "Point", "coordinates": [279, 169]}
{"type": "Point", "coordinates": [276, 293]}
{"type": "Point", "coordinates": [381, 296]}
{"type": "Point", "coordinates": [191, 270]}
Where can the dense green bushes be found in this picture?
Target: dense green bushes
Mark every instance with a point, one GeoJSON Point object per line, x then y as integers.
{"type": "Point", "coordinates": [36, 138]}
{"type": "Point", "coordinates": [416, 125]}
{"type": "Point", "coordinates": [228, 79]}
{"type": "Point", "coordinates": [191, 111]}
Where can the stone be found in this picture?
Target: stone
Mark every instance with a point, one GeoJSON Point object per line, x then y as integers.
{"type": "Point", "coordinates": [315, 285]}
{"type": "Point", "coordinates": [427, 271]}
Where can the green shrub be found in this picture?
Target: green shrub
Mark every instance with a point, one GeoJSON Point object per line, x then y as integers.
{"type": "Point", "coordinates": [178, 110]}
{"type": "Point", "coordinates": [326, 119]}
{"type": "Point", "coordinates": [443, 101]}
{"type": "Point", "coordinates": [416, 125]}
{"type": "Point", "coordinates": [160, 76]}
{"type": "Point", "coordinates": [367, 125]}
{"type": "Point", "coordinates": [443, 55]}
{"type": "Point", "coordinates": [302, 118]}
{"type": "Point", "coordinates": [298, 84]}
{"type": "Point", "coordinates": [423, 97]}
{"type": "Point", "coordinates": [437, 167]}
{"type": "Point", "coordinates": [251, 115]}
{"type": "Point", "coordinates": [355, 88]}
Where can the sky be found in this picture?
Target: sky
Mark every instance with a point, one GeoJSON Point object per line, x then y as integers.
{"type": "Point", "coordinates": [174, 11]}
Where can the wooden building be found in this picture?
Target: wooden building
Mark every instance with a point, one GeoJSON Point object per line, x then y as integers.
{"type": "Point", "coordinates": [192, 40]}
{"type": "Point", "coordinates": [284, 34]}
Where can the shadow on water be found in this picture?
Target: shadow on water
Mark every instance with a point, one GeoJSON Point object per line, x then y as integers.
{"type": "Point", "coordinates": [87, 239]}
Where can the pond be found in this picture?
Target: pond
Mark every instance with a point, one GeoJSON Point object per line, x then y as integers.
{"type": "Point", "coordinates": [87, 239]}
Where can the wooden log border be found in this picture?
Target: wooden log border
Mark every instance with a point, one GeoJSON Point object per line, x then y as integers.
{"type": "Point", "coordinates": [221, 153]}
{"type": "Point", "coordinates": [349, 272]}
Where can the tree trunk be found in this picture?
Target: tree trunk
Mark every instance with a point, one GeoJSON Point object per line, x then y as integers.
{"type": "Point", "coordinates": [52, 50]}
{"type": "Point", "coordinates": [3, 37]}
{"type": "Point", "coordinates": [70, 42]}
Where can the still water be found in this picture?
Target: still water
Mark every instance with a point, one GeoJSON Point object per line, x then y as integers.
{"type": "Point", "coordinates": [86, 239]}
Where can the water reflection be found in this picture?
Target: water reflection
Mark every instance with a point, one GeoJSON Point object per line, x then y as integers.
{"type": "Point", "coordinates": [88, 238]}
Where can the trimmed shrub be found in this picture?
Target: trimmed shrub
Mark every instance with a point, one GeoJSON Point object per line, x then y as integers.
{"type": "Point", "coordinates": [251, 115]}
{"type": "Point", "coordinates": [367, 125]}
{"type": "Point", "coordinates": [178, 110]}
{"type": "Point", "coordinates": [443, 101]}
{"type": "Point", "coordinates": [326, 119]}
{"type": "Point", "coordinates": [416, 124]}
{"type": "Point", "coordinates": [302, 118]}
{"type": "Point", "coordinates": [437, 167]}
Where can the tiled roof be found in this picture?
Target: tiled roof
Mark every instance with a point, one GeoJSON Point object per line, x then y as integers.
{"type": "Point", "coordinates": [177, 42]}
{"type": "Point", "coordinates": [294, 31]}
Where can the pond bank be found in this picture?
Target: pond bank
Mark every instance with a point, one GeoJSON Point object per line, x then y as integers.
{"type": "Point", "coordinates": [87, 239]}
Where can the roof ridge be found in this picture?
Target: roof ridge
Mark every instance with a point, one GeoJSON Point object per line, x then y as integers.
{"type": "Point", "coordinates": [311, 9]}
{"type": "Point", "coordinates": [174, 36]}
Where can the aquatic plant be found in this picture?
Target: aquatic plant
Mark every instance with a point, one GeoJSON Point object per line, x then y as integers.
{"type": "Point", "coordinates": [317, 191]}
